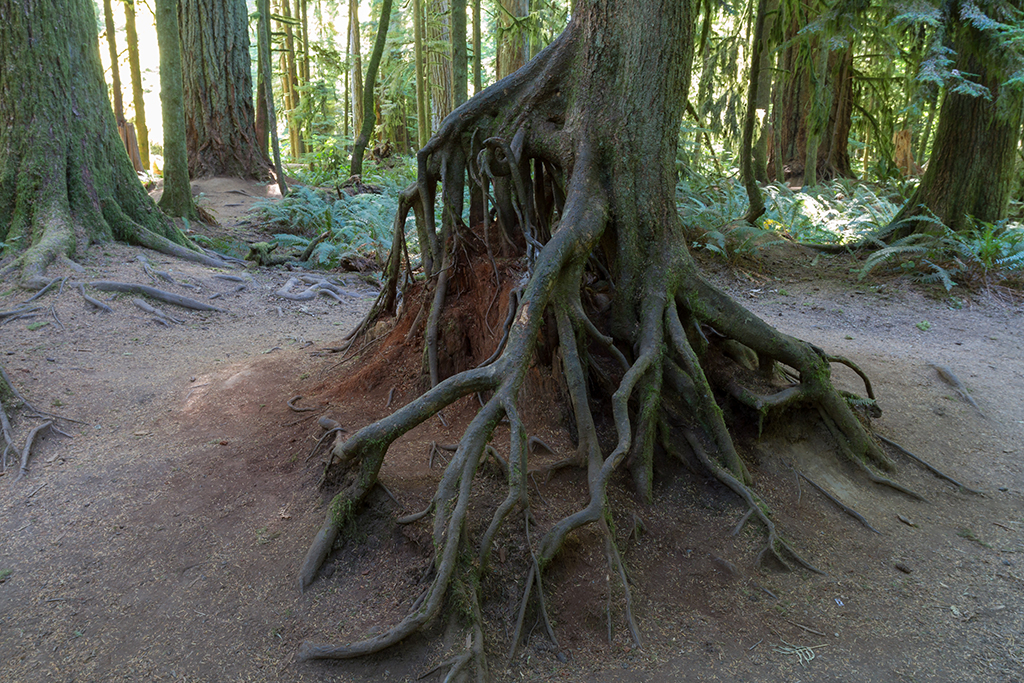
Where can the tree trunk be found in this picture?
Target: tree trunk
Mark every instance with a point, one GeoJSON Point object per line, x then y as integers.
{"type": "Point", "coordinates": [460, 66]}
{"type": "Point", "coordinates": [138, 96]}
{"type": "Point", "coordinates": [65, 180]}
{"type": "Point", "coordinates": [264, 43]}
{"type": "Point", "coordinates": [513, 49]}
{"type": "Point", "coordinates": [439, 59]}
{"type": "Point", "coordinates": [115, 72]}
{"type": "Point", "coordinates": [357, 68]}
{"type": "Point", "coordinates": [586, 133]}
{"type": "Point", "coordinates": [756, 208]}
{"type": "Point", "coordinates": [422, 96]}
{"type": "Point", "coordinates": [177, 196]}
{"type": "Point", "coordinates": [220, 124]}
{"type": "Point", "coordinates": [795, 108]}
{"type": "Point", "coordinates": [477, 56]}
{"type": "Point", "coordinates": [293, 98]}
{"type": "Point", "coordinates": [971, 167]}
{"type": "Point", "coordinates": [356, 167]}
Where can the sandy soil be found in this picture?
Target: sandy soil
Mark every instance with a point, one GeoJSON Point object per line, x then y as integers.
{"type": "Point", "coordinates": [161, 541]}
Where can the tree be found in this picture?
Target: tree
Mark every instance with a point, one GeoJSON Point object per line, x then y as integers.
{"type": "Point", "coordinates": [356, 167]}
{"type": "Point", "coordinates": [176, 199]}
{"type": "Point", "coordinates": [138, 100]}
{"type": "Point", "coordinates": [513, 44]}
{"type": "Point", "coordinates": [65, 179]}
{"type": "Point", "coordinates": [220, 125]}
{"type": "Point", "coordinates": [811, 117]}
{"type": "Point", "coordinates": [587, 134]}
{"type": "Point", "coordinates": [971, 171]}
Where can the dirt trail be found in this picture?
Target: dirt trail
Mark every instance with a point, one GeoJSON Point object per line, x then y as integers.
{"type": "Point", "coordinates": [162, 541]}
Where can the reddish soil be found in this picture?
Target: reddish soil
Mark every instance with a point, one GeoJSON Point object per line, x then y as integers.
{"type": "Point", "coordinates": [162, 540]}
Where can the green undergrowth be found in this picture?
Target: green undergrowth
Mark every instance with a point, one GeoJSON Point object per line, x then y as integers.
{"type": "Point", "coordinates": [357, 225]}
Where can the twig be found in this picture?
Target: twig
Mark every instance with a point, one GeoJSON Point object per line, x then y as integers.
{"type": "Point", "coordinates": [806, 628]}
{"type": "Point", "coordinates": [36, 490]}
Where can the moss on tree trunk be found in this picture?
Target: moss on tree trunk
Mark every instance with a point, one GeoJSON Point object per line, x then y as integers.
{"type": "Point", "coordinates": [65, 179]}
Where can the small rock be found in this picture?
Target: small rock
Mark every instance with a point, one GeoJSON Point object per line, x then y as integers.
{"type": "Point", "coordinates": [903, 568]}
{"type": "Point", "coordinates": [905, 520]}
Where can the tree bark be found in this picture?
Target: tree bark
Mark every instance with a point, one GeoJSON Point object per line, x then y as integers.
{"type": "Point", "coordinates": [799, 67]}
{"type": "Point", "coordinates": [65, 179]}
{"type": "Point", "coordinates": [363, 140]}
{"type": "Point", "coordinates": [971, 170]}
{"type": "Point", "coordinates": [115, 72]}
{"type": "Point", "coordinates": [355, 54]}
{"type": "Point", "coordinates": [177, 196]}
{"type": "Point", "coordinates": [460, 66]}
{"type": "Point", "coordinates": [439, 59]}
{"type": "Point", "coordinates": [220, 125]}
{"type": "Point", "coordinates": [756, 208]}
{"type": "Point", "coordinates": [138, 96]}
{"type": "Point", "coordinates": [264, 43]}
{"type": "Point", "coordinates": [422, 95]}
{"type": "Point", "coordinates": [513, 49]}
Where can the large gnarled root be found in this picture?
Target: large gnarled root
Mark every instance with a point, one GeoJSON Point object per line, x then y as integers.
{"type": "Point", "coordinates": [560, 212]}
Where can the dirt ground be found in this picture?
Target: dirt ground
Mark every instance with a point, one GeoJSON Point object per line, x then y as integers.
{"type": "Point", "coordinates": [162, 540]}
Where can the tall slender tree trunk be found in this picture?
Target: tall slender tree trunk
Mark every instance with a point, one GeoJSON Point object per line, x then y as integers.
{"type": "Point", "coordinates": [422, 93]}
{"type": "Point", "coordinates": [756, 208]}
{"type": "Point", "coordinates": [138, 96]}
{"type": "Point", "coordinates": [293, 99]}
{"type": "Point", "coordinates": [115, 72]}
{"type": "Point", "coordinates": [177, 197]}
{"type": "Point", "coordinates": [264, 43]}
{"type": "Point", "coordinates": [371, 78]}
{"type": "Point", "coordinates": [220, 122]}
{"type": "Point", "coordinates": [357, 67]}
{"type": "Point", "coordinates": [460, 73]}
{"type": "Point", "coordinates": [477, 46]}
{"type": "Point", "coordinates": [65, 179]}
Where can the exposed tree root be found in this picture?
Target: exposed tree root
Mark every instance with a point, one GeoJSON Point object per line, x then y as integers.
{"type": "Point", "coordinates": [158, 294]}
{"type": "Point", "coordinates": [577, 212]}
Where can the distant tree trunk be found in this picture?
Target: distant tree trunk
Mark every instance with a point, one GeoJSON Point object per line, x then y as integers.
{"type": "Point", "coordinates": [293, 100]}
{"type": "Point", "coordinates": [756, 208]}
{"type": "Point", "coordinates": [65, 180]}
{"type": "Point", "coordinates": [138, 99]}
{"type": "Point", "coordinates": [759, 153]}
{"type": "Point", "coordinates": [478, 83]}
{"type": "Point", "coordinates": [177, 197]}
{"type": "Point", "coordinates": [971, 168]}
{"type": "Point", "coordinates": [439, 61]}
{"type": "Point", "coordinates": [262, 130]}
{"type": "Point", "coordinates": [422, 99]}
{"type": "Point", "coordinates": [460, 74]}
{"type": "Point", "coordinates": [356, 167]}
{"type": "Point", "coordinates": [263, 48]}
{"type": "Point", "coordinates": [357, 68]}
{"type": "Point", "coordinates": [794, 110]}
{"type": "Point", "coordinates": [513, 49]}
{"type": "Point", "coordinates": [220, 125]}
{"type": "Point", "coordinates": [115, 74]}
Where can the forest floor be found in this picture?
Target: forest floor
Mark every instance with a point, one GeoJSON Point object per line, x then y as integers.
{"type": "Point", "coordinates": [162, 540]}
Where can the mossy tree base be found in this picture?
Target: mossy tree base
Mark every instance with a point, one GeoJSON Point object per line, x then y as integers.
{"type": "Point", "coordinates": [65, 178]}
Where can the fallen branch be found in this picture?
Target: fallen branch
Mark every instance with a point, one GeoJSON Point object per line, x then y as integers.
{"type": "Point", "coordinates": [291, 404]}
